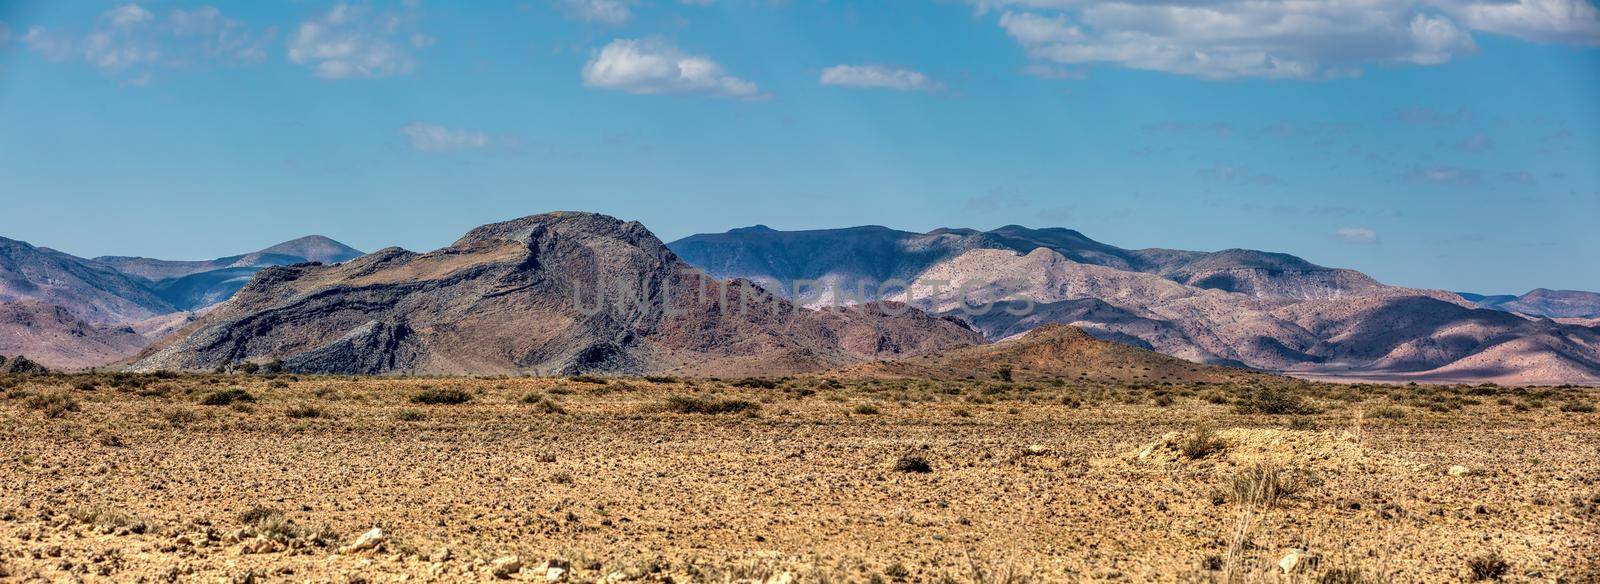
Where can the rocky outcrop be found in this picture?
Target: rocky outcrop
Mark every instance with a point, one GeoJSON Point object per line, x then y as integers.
{"type": "Point", "coordinates": [55, 338]}
{"type": "Point", "coordinates": [553, 293]}
{"type": "Point", "coordinates": [20, 365]}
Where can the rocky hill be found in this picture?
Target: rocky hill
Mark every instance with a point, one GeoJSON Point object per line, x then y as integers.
{"type": "Point", "coordinates": [1052, 351]}
{"type": "Point", "coordinates": [55, 338]}
{"type": "Point", "coordinates": [553, 293]}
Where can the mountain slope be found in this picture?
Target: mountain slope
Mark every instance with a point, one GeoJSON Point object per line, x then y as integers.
{"type": "Point", "coordinates": [560, 292]}
{"type": "Point", "coordinates": [53, 337]}
{"type": "Point", "coordinates": [90, 291]}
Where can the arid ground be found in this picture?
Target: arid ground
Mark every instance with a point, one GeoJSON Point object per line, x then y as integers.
{"type": "Point", "coordinates": [284, 478]}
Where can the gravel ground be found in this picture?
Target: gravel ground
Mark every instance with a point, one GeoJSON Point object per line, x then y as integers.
{"type": "Point", "coordinates": [128, 478]}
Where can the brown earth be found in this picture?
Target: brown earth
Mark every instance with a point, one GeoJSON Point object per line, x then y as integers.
{"type": "Point", "coordinates": [129, 478]}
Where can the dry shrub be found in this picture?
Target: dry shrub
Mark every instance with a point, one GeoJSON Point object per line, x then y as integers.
{"type": "Point", "coordinates": [1201, 443]}
{"type": "Point", "coordinates": [54, 405]}
{"type": "Point", "coordinates": [1263, 485]}
{"type": "Point", "coordinates": [912, 462]}
{"type": "Point", "coordinates": [230, 396]}
{"type": "Point", "coordinates": [441, 396]}
{"type": "Point", "coordinates": [704, 405]}
{"type": "Point", "coordinates": [305, 411]}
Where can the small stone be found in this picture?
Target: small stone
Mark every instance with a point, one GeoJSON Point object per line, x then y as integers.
{"type": "Point", "coordinates": [555, 574]}
{"type": "Point", "coordinates": [1035, 450]}
{"type": "Point", "coordinates": [439, 555]}
{"type": "Point", "coordinates": [505, 566]}
{"type": "Point", "coordinates": [1458, 471]}
{"type": "Point", "coordinates": [259, 546]}
{"type": "Point", "coordinates": [780, 578]}
{"type": "Point", "coordinates": [1290, 561]}
{"type": "Point", "coordinates": [366, 541]}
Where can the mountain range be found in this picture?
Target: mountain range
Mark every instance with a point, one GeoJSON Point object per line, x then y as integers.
{"type": "Point", "coordinates": [555, 293]}
{"type": "Point", "coordinates": [575, 292]}
{"type": "Point", "coordinates": [1237, 307]}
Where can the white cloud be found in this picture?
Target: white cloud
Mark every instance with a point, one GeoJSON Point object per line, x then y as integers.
{"type": "Point", "coordinates": [354, 42]}
{"type": "Point", "coordinates": [607, 12]}
{"type": "Point", "coordinates": [128, 15]}
{"type": "Point", "coordinates": [434, 138]}
{"type": "Point", "coordinates": [1356, 235]}
{"type": "Point", "coordinates": [877, 77]}
{"type": "Point", "coordinates": [130, 40]}
{"type": "Point", "coordinates": [1574, 22]}
{"type": "Point", "coordinates": [1445, 175]}
{"type": "Point", "coordinates": [648, 66]}
{"type": "Point", "coordinates": [1288, 39]}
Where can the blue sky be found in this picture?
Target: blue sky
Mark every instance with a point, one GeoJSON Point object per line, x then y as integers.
{"type": "Point", "coordinates": [1431, 143]}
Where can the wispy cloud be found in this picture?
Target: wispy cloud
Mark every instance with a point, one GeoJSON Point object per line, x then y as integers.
{"type": "Point", "coordinates": [1356, 235]}
{"type": "Point", "coordinates": [434, 138]}
{"type": "Point", "coordinates": [1445, 176]}
{"type": "Point", "coordinates": [1178, 128]}
{"type": "Point", "coordinates": [1226, 39]}
{"type": "Point", "coordinates": [356, 42]}
{"type": "Point", "coordinates": [877, 77]}
{"type": "Point", "coordinates": [606, 12]}
{"type": "Point", "coordinates": [1237, 175]}
{"type": "Point", "coordinates": [1427, 116]}
{"type": "Point", "coordinates": [656, 66]}
{"type": "Point", "coordinates": [130, 41]}
{"type": "Point", "coordinates": [1475, 143]}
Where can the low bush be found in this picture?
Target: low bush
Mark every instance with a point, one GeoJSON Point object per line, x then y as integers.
{"type": "Point", "coordinates": [441, 396]}
{"type": "Point", "coordinates": [914, 463]}
{"type": "Point", "coordinates": [704, 405]}
{"type": "Point", "coordinates": [223, 397]}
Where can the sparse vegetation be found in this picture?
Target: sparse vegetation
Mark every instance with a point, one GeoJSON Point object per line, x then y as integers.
{"type": "Point", "coordinates": [1273, 401]}
{"type": "Point", "coordinates": [913, 463]}
{"type": "Point", "coordinates": [1201, 443]}
{"type": "Point", "coordinates": [53, 405]}
{"type": "Point", "coordinates": [224, 397]}
{"type": "Point", "coordinates": [682, 404]}
{"type": "Point", "coordinates": [1263, 485]}
{"type": "Point", "coordinates": [305, 411]}
{"type": "Point", "coordinates": [441, 396]}
{"type": "Point", "coordinates": [1487, 567]}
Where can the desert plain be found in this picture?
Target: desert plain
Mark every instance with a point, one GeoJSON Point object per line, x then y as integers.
{"type": "Point", "coordinates": [295, 478]}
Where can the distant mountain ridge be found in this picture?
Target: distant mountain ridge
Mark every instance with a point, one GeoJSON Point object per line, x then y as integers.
{"type": "Point", "coordinates": [1263, 310]}
{"type": "Point", "coordinates": [191, 285]}
{"type": "Point", "coordinates": [72, 312]}
{"type": "Point", "coordinates": [1542, 302]}
{"type": "Point", "coordinates": [843, 259]}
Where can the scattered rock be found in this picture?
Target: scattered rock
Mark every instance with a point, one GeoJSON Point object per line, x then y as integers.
{"type": "Point", "coordinates": [366, 541]}
{"type": "Point", "coordinates": [259, 546]}
{"type": "Point", "coordinates": [1291, 561]}
{"type": "Point", "coordinates": [439, 555]}
{"type": "Point", "coordinates": [1035, 450]}
{"type": "Point", "coordinates": [505, 566]}
{"type": "Point", "coordinates": [1458, 471]}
